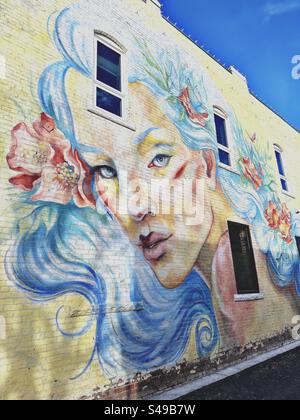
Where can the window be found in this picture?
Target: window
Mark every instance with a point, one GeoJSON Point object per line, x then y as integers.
{"type": "Point", "coordinates": [283, 179]}
{"type": "Point", "coordinates": [243, 259]}
{"type": "Point", "coordinates": [109, 102]}
{"type": "Point", "coordinates": [109, 85]}
{"type": "Point", "coordinates": [298, 243]}
{"type": "Point", "coordinates": [222, 137]}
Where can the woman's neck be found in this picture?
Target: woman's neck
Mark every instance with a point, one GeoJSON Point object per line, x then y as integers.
{"type": "Point", "coordinates": [221, 212]}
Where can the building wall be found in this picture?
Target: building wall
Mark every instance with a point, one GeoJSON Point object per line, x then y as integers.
{"type": "Point", "coordinates": [82, 313]}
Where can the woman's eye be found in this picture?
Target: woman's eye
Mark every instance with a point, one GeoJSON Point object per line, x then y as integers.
{"type": "Point", "coordinates": [160, 161]}
{"type": "Point", "coordinates": [107, 172]}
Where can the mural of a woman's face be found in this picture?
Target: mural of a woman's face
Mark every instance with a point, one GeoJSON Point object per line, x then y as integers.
{"type": "Point", "coordinates": [155, 152]}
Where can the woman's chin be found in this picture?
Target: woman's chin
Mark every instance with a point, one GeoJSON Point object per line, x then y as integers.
{"type": "Point", "coordinates": [168, 274]}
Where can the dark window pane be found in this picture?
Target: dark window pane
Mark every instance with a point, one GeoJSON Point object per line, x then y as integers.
{"type": "Point", "coordinates": [284, 185]}
{"type": "Point", "coordinates": [109, 102]}
{"type": "Point", "coordinates": [224, 157]}
{"type": "Point", "coordinates": [243, 258]}
{"type": "Point", "coordinates": [221, 130]}
{"type": "Point", "coordinates": [279, 163]}
{"type": "Point", "coordinates": [108, 66]}
{"type": "Point", "coordinates": [298, 243]}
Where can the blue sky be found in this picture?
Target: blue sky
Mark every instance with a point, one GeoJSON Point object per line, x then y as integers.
{"type": "Point", "coordinates": [259, 37]}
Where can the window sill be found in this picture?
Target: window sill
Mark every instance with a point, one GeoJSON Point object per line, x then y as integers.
{"type": "Point", "coordinates": [228, 168]}
{"type": "Point", "coordinates": [111, 118]}
{"type": "Point", "coordinates": [249, 297]}
{"type": "Point", "coordinates": [288, 194]}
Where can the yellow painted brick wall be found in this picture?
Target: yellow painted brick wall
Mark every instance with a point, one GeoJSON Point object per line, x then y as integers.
{"type": "Point", "coordinates": [36, 360]}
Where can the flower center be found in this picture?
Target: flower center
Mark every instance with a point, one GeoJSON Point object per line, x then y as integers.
{"type": "Point", "coordinates": [34, 154]}
{"type": "Point", "coordinates": [66, 175]}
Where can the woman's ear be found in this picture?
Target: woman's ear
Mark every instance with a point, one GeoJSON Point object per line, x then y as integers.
{"type": "Point", "coordinates": [211, 168]}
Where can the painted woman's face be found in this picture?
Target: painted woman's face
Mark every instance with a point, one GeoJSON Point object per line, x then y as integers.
{"type": "Point", "coordinates": [154, 156]}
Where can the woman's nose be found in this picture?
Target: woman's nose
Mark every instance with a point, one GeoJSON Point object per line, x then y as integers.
{"type": "Point", "coordinates": [139, 213]}
{"type": "Point", "coordinates": [139, 203]}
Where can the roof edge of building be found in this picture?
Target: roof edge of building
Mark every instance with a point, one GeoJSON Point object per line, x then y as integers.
{"type": "Point", "coordinates": [229, 71]}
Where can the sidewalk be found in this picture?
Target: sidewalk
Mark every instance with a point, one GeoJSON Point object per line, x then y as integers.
{"type": "Point", "coordinates": [274, 375]}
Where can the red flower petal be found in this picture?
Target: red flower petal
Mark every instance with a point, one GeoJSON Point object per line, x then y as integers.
{"type": "Point", "coordinates": [51, 190]}
{"type": "Point", "coordinates": [22, 136]}
{"type": "Point", "coordinates": [184, 98]}
{"type": "Point", "coordinates": [25, 182]}
{"type": "Point", "coordinates": [47, 123]}
{"type": "Point", "coordinates": [84, 196]}
{"type": "Point", "coordinates": [59, 155]}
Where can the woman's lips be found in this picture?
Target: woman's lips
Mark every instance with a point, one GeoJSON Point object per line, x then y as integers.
{"type": "Point", "coordinates": [154, 245]}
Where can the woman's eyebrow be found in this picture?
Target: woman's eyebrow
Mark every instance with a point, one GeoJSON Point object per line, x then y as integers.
{"type": "Point", "coordinates": [142, 137]}
{"type": "Point", "coordinates": [91, 150]}
{"type": "Point", "coordinates": [166, 146]}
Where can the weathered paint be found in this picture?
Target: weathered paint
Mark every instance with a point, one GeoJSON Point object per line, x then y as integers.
{"type": "Point", "coordinates": [78, 299]}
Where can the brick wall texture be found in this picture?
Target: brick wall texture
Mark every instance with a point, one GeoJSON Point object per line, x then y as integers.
{"type": "Point", "coordinates": [103, 301]}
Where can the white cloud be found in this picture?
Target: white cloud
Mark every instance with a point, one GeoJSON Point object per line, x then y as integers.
{"type": "Point", "coordinates": [273, 8]}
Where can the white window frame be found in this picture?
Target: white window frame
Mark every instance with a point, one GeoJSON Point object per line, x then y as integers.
{"type": "Point", "coordinates": [222, 114]}
{"type": "Point", "coordinates": [123, 94]}
{"type": "Point", "coordinates": [284, 178]}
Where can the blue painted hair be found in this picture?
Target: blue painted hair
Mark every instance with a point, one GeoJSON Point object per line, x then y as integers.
{"type": "Point", "coordinates": [282, 258]}
{"type": "Point", "coordinates": [60, 250]}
